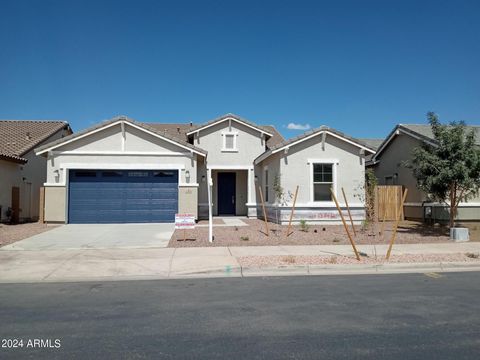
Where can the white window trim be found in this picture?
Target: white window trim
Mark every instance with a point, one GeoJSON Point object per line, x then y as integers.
{"type": "Point", "coordinates": [334, 163]}
{"type": "Point", "coordinates": [224, 140]}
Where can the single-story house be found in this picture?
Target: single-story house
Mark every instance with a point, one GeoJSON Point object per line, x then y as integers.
{"type": "Point", "coordinates": [123, 170]}
{"type": "Point", "coordinates": [389, 164]}
{"type": "Point", "coordinates": [22, 173]}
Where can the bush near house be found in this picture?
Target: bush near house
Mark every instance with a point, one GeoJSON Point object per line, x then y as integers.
{"type": "Point", "coordinates": [448, 170]}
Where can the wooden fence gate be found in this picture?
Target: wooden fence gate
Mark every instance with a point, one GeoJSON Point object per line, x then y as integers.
{"type": "Point", "coordinates": [388, 199]}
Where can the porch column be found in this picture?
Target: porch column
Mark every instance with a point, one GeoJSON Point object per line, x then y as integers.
{"type": "Point", "coordinates": [249, 186]}
{"type": "Point", "coordinates": [209, 192]}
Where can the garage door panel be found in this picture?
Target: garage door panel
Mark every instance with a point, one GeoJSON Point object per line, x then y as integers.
{"type": "Point", "coordinates": [101, 196]}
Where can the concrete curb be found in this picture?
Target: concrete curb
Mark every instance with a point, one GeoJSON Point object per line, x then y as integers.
{"type": "Point", "coordinates": [283, 270]}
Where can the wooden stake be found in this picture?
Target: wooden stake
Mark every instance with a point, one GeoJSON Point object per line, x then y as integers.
{"type": "Point", "coordinates": [345, 226]}
{"type": "Point", "coordinates": [264, 211]}
{"type": "Point", "coordinates": [293, 210]}
{"type": "Point", "coordinates": [349, 214]}
{"type": "Point", "coordinates": [184, 235]}
{"type": "Point", "coordinates": [400, 211]}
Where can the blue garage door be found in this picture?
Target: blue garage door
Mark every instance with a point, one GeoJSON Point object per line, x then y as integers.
{"type": "Point", "coordinates": [122, 196]}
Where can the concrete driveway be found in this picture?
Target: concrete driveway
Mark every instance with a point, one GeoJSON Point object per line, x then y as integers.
{"type": "Point", "coordinates": [98, 236]}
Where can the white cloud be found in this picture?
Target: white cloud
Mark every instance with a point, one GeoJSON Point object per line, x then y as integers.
{"type": "Point", "coordinates": [293, 126]}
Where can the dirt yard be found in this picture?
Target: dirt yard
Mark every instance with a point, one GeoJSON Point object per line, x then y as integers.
{"type": "Point", "coordinates": [11, 233]}
{"type": "Point", "coordinates": [254, 235]}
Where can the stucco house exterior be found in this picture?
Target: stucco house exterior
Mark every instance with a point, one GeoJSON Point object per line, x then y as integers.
{"type": "Point", "coordinates": [389, 164]}
{"type": "Point", "coordinates": [123, 170]}
{"type": "Point", "coordinates": [22, 173]}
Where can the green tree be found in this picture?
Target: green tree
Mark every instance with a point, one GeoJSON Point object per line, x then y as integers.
{"type": "Point", "coordinates": [449, 169]}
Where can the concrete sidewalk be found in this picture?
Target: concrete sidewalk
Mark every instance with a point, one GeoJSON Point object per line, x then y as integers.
{"type": "Point", "coordinates": [160, 263]}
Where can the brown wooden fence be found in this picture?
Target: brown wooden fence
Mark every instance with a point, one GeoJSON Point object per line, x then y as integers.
{"type": "Point", "coordinates": [388, 200]}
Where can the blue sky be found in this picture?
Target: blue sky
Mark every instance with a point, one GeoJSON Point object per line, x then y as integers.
{"type": "Point", "coordinates": [358, 66]}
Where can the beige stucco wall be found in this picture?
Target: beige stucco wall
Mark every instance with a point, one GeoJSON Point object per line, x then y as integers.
{"type": "Point", "coordinates": [134, 143]}
{"type": "Point", "coordinates": [55, 204]}
{"type": "Point", "coordinates": [29, 178]}
{"type": "Point", "coordinates": [295, 169]}
{"type": "Point", "coordinates": [96, 153]}
{"type": "Point", "coordinates": [391, 162]}
{"type": "Point", "coordinates": [249, 144]}
{"type": "Point", "coordinates": [9, 177]}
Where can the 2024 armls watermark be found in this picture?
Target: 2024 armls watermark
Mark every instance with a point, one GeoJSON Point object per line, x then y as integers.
{"type": "Point", "coordinates": [34, 343]}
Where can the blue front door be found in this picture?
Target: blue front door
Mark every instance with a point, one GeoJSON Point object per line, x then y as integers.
{"type": "Point", "coordinates": [226, 193]}
{"type": "Point", "coordinates": [122, 196]}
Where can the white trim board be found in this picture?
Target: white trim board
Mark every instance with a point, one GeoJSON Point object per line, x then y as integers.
{"type": "Point", "coordinates": [229, 167]}
{"type": "Point", "coordinates": [114, 124]}
{"type": "Point", "coordinates": [122, 153]}
{"type": "Point", "coordinates": [121, 166]}
{"type": "Point", "coordinates": [225, 119]}
{"type": "Point", "coordinates": [393, 135]}
{"type": "Point", "coordinates": [321, 132]}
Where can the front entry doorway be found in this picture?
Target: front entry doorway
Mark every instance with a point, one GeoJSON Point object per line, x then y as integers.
{"type": "Point", "coordinates": [226, 193]}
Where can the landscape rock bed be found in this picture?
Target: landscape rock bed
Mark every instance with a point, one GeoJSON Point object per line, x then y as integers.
{"type": "Point", "coordinates": [268, 261]}
{"type": "Point", "coordinates": [11, 233]}
{"type": "Point", "coordinates": [254, 235]}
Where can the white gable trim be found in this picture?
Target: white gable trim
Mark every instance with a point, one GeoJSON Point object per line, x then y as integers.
{"type": "Point", "coordinates": [121, 122]}
{"type": "Point", "coordinates": [229, 119]}
{"type": "Point", "coordinates": [322, 132]}
{"type": "Point", "coordinates": [393, 135]}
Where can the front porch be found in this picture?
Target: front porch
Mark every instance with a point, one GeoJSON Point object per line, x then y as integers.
{"type": "Point", "coordinates": [231, 191]}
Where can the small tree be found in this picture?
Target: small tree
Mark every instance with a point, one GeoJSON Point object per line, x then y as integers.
{"type": "Point", "coordinates": [449, 170]}
{"type": "Point", "coordinates": [282, 198]}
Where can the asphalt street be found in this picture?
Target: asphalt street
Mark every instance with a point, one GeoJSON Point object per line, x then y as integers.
{"type": "Point", "coordinates": [413, 316]}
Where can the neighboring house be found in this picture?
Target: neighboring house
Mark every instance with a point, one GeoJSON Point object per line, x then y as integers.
{"type": "Point", "coordinates": [390, 168]}
{"type": "Point", "coordinates": [127, 171]}
{"type": "Point", "coordinates": [21, 172]}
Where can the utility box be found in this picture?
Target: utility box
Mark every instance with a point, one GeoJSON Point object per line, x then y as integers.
{"type": "Point", "coordinates": [459, 234]}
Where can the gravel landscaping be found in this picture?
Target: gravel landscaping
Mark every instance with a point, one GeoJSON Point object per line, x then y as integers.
{"type": "Point", "coordinates": [11, 233]}
{"type": "Point", "coordinates": [254, 235]}
{"type": "Point", "coordinates": [266, 261]}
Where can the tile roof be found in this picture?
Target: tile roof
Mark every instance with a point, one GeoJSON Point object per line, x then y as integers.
{"type": "Point", "coordinates": [372, 143]}
{"type": "Point", "coordinates": [318, 130]}
{"type": "Point", "coordinates": [18, 137]}
{"type": "Point", "coordinates": [146, 126]}
{"type": "Point", "coordinates": [426, 130]}
{"type": "Point", "coordinates": [180, 130]}
{"type": "Point", "coordinates": [306, 134]}
{"type": "Point", "coordinates": [233, 116]}
{"type": "Point", "coordinates": [422, 131]}
{"type": "Point", "coordinates": [173, 131]}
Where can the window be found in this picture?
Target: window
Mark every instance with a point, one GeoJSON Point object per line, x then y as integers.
{"type": "Point", "coordinates": [322, 182]}
{"type": "Point", "coordinates": [266, 185]}
{"type": "Point", "coordinates": [229, 141]}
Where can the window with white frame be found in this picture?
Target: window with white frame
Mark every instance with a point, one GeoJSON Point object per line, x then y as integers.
{"type": "Point", "coordinates": [322, 181]}
{"type": "Point", "coordinates": [229, 141]}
